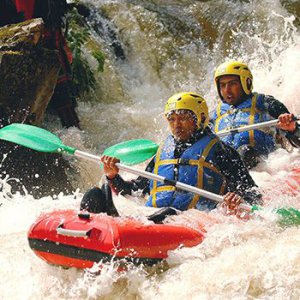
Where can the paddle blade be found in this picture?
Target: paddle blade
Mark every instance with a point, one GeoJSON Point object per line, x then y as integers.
{"type": "Point", "coordinates": [132, 152]}
{"type": "Point", "coordinates": [34, 138]}
{"type": "Point", "coordinates": [289, 216]}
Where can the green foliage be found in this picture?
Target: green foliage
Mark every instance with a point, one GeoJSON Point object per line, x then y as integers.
{"type": "Point", "coordinates": [78, 34]}
{"type": "Point", "coordinates": [99, 56]}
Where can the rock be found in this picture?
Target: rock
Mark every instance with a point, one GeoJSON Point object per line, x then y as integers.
{"type": "Point", "coordinates": [40, 174]}
{"type": "Point", "coordinates": [28, 75]}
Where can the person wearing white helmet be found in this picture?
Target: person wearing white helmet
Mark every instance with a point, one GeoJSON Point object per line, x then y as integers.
{"type": "Point", "coordinates": [191, 154]}
{"type": "Point", "coordinates": [239, 106]}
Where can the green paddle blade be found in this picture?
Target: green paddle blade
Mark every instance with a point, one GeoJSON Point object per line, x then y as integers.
{"type": "Point", "coordinates": [132, 152]}
{"type": "Point", "coordinates": [287, 216]}
{"type": "Point", "coordinates": [34, 137]}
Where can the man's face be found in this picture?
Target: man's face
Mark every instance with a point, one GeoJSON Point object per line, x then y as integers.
{"type": "Point", "coordinates": [182, 124]}
{"type": "Point", "coordinates": [231, 89]}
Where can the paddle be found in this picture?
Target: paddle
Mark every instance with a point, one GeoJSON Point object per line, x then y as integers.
{"type": "Point", "coordinates": [288, 216]}
{"type": "Point", "coordinates": [42, 140]}
{"type": "Point", "coordinates": [250, 127]}
{"type": "Point", "coordinates": [130, 152]}
{"type": "Point", "coordinates": [147, 153]}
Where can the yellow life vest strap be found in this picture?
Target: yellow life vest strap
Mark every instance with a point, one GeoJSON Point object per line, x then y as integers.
{"type": "Point", "coordinates": [159, 162]}
{"type": "Point", "coordinates": [219, 116]}
{"type": "Point", "coordinates": [155, 171]}
{"type": "Point", "coordinates": [167, 162]}
{"type": "Point", "coordinates": [163, 188]}
{"type": "Point", "coordinates": [251, 119]}
{"type": "Point", "coordinates": [201, 165]}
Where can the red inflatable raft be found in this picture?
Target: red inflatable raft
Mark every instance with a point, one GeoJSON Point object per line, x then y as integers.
{"type": "Point", "coordinates": [73, 239]}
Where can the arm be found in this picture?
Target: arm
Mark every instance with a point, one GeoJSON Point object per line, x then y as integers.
{"type": "Point", "coordinates": [118, 184]}
{"type": "Point", "coordinates": [288, 124]}
{"type": "Point", "coordinates": [294, 137]}
{"type": "Point", "coordinates": [236, 173]}
{"type": "Point", "coordinates": [291, 129]}
{"type": "Point", "coordinates": [274, 107]}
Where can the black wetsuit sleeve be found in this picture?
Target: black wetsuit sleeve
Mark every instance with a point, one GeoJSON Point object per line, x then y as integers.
{"type": "Point", "coordinates": [274, 107]}
{"type": "Point", "coordinates": [119, 185]}
{"type": "Point", "coordinates": [238, 178]}
{"type": "Point", "coordinates": [294, 137]}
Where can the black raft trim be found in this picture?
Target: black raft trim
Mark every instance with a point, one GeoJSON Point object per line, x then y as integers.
{"type": "Point", "coordinates": [86, 254]}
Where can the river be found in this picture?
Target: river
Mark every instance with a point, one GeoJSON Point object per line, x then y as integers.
{"type": "Point", "coordinates": [166, 47]}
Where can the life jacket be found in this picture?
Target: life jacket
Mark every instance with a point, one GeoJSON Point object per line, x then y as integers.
{"type": "Point", "coordinates": [194, 167]}
{"type": "Point", "coordinates": [248, 112]}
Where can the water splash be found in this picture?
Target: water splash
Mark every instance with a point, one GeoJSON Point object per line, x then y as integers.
{"type": "Point", "coordinates": [172, 46]}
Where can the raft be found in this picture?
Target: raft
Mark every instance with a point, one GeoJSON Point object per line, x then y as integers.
{"type": "Point", "coordinates": [70, 238]}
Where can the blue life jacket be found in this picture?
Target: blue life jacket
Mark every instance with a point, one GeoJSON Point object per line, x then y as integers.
{"type": "Point", "coordinates": [248, 112]}
{"type": "Point", "coordinates": [194, 167]}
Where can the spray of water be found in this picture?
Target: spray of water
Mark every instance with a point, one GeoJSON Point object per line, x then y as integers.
{"type": "Point", "coordinates": [172, 46]}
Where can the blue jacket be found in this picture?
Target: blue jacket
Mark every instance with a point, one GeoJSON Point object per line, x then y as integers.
{"type": "Point", "coordinates": [250, 111]}
{"type": "Point", "coordinates": [194, 167]}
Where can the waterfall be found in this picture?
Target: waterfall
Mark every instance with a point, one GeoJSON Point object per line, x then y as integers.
{"type": "Point", "coordinates": [153, 49]}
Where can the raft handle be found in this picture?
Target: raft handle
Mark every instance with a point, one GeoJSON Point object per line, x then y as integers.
{"type": "Point", "coordinates": [70, 232]}
{"type": "Point", "coordinates": [85, 216]}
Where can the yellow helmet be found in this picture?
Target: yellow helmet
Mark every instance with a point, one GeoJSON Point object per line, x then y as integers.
{"type": "Point", "coordinates": [189, 101]}
{"type": "Point", "coordinates": [235, 68]}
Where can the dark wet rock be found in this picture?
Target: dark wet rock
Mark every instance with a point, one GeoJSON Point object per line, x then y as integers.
{"type": "Point", "coordinates": [39, 173]}
{"type": "Point", "coordinates": [28, 75]}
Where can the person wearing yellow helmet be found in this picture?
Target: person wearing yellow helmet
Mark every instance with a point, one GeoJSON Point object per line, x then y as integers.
{"type": "Point", "coordinates": [191, 154]}
{"type": "Point", "coordinates": [239, 106]}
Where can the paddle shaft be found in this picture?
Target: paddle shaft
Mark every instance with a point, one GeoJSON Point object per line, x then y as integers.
{"type": "Point", "coordinates": [41, 140]}
{"type": "Point", "coordinates": [250, 127]}
{"type": "Point", "coordinates": [152, 176]}
{"type": "Point", "coordinates": [177, 184]}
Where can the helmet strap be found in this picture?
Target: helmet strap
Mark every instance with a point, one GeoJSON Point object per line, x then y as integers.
{"type": "Point", "coordinates": [249, 83]}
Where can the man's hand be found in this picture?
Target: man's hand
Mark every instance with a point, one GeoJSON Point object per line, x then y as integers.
{"type": "Point", "coordinates": [231, 205]}
{"type": "Point", "coordinates": [286, 122]}
{"type": "Point", "coordinates": [232, 201]}
{"type": "Point", "coordinates": [109, 164]}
